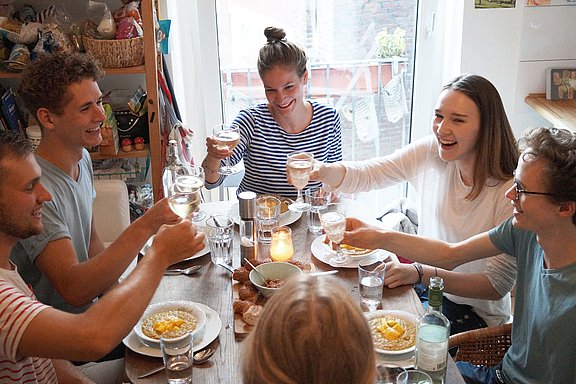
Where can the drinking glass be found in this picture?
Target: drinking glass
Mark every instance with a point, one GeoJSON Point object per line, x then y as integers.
{"type": "Point", "coordinates": [267, 217]}
{"type": "Point", "coordinates": [414, 376]}
{"type": "Point", "coordinates": [227, 137]}
{"type": "Point", "coordinates": [333, 219]}
{"type": "Point", "coordinates": [298, 168]}
{"type": "Point", "coordinates": [177, 355]}
{"type": "Point", "coordinates": [387, 373]}
{"type": "Point", "coordinates": [220, 232]}
{"type": "Point", "coordinates": [198, 171]}
{"type": "Point", "coordinates": [318, 198]}
{"type": "Point", "coordinates": [185, 195]}
{"type": "Point", "coordinates": [371, 282]}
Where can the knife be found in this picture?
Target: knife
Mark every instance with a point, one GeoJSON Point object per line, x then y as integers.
{"type": "Point", "coordinates": [332, 272]}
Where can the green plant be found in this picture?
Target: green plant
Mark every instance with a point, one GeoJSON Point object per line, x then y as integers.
{"type": "Point", "coordinates": [391, 44]}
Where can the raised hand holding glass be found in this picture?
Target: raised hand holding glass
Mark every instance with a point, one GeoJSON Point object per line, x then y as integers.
{"type": "Point", "coordinates": [227, 137]}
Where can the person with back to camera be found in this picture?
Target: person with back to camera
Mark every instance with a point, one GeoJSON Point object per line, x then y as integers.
{"type": "Point", "coordinates": [36, 337]}
{"type": "Point", "coordinates": [270, 131]}
{"type": "Point", "coordinates": [310, 332]}
{"type": "Point", "coordinates": [541, 236]}
{"type": "Point", "coordinates": [460, 174]}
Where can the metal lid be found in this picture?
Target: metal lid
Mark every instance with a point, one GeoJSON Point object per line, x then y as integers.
{"type": "Point", "coordinates": [247, 205]}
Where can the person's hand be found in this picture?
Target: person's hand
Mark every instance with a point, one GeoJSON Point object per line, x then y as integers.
{"type": "Point", "coordinates": [215, 151]}
{"type": "Point", "coordinates": [159, 214]}
{"type": "Point", "coordinates": [315, 174]}
{"type": "Point", "coordinates": [177, 242]}
{"type": "Point", "coordinates": [398, 274]}
{"type": "Point", "coordinates": [360, 234]}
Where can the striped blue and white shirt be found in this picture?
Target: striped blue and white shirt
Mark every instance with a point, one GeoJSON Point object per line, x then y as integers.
{"type": "Point", "coordinates": [264, 146]}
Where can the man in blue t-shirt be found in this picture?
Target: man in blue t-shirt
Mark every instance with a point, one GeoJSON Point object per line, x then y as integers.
{"type": "Point", "coordinates": [541, 235]}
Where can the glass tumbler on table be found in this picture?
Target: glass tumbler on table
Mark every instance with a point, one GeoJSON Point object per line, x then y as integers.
{"type": "Point", "coordinates": [333, 219]}
{"type": "Point", "coordinates": [267, 217]}
{"type": "Point", "coordinates": [184, 196]}
{"type": "Point", "coordinates": [220, 232]}
{"type": "Point", "coordinates": [414, 376]}
{"type": "Point", "coordinates": [318, 198]}
{"type": "Point", "coordinates": [227, 137]}
{"type": "Point", "coordinates": [298, 168]}
{"type": "Point", "coordinates": [371, 282]}
{"type": "Point", "coordinates": [177, 355]}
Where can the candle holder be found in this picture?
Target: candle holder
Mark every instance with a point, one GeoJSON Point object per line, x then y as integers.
{"type": "Point", "coordinates": [281, 248]}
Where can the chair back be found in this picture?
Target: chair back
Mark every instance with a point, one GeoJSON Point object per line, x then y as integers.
{"type": "Point", "coordinates": [484, 346]}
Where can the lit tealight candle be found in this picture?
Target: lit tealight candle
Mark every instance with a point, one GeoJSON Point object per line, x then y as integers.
{"type": "Point", "coordinates": [281, 245]}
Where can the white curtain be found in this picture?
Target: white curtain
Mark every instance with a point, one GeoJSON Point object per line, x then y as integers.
{"type": "Point", "coordinates": [193, 65]}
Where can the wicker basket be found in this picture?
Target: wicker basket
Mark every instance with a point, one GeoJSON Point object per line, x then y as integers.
{"type": "Point", "coordinates": [116, 53]}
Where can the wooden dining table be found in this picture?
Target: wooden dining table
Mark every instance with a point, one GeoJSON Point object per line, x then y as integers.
{"type": "Point", "coordinates": [212, 286]}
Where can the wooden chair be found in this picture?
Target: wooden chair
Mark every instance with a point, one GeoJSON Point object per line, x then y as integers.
{"type": "Point", "coordinates": [484, 346]}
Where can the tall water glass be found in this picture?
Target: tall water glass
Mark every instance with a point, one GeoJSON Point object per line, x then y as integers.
{"type": "Point", "coordinates": [177, 354]}
{"type": "Point", "coordinates": [227, 137]}
{"type": "Point", "coordinates": [299, 165]}
{"type": "Point", "coordinates": [371, 282]}
{"type": "Point", "coordinates": [220, 232]}
{"type": "Point", "coordinates": [267, 217]}
{"type": "Point", "coordinates": [318, 198]}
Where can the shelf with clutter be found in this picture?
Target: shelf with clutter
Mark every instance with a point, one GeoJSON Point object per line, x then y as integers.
{"type": "Point", "coordinates": [121, 35]}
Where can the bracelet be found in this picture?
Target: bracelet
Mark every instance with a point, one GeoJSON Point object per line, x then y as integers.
{"type": "Point", "coordinates": [208, 169]}
{"type": "Point", "coordinates": [420, 271]}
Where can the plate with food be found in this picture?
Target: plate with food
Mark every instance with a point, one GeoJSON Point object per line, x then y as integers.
{"type": "Point", "coordinates": [355, 252]}
{"type": "Point", "coordinates": [393, 332]}
{"type": "Point", "coordinates": [202, 338]}
{"type": "Point", "coordinates": [287, 216]}
{"type": "Point", "coordinates": [198, 254]}
{"type": "Point", "coordinates": [325, 253]}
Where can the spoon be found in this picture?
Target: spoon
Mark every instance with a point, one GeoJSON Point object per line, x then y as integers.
{"type": "Point", "coordinates": [198, 358]}
{"type": "Point", "coordinates": [188, 271]}
{"type": "Point", "coordinates": [226, 266]}
{"type": "Point", "coordinates": [257, 271]}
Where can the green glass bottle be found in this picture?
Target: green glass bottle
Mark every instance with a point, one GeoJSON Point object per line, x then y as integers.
{"type": "Point", "coordinates": [433, 334]}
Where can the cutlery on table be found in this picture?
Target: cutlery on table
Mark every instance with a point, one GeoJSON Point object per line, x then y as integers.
{"type": "Point", "coordinates": [322, 273]}
{"type": "Point", "coordinates": [255, 270]}
{"type": "Point", "coordinates": [198, 358]}
{"type": "Point", "coordinates": [226, 266]}
{"type": "Point", "coordinates": [187, 271]}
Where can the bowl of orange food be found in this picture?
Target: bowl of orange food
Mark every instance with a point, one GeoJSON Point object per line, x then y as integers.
{"type": "Point", "coordinates": [393, 332]}
{"type": "Point", "coordinates": [170, 319]}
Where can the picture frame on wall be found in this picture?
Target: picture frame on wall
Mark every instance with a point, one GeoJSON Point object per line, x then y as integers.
{"type": "Point", "coordinates": [543, 3]}
{"type": "Point", "coordinates": [561, 83]}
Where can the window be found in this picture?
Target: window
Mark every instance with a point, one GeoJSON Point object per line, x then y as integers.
{"type": "Point", "coordinates": [360, 57]}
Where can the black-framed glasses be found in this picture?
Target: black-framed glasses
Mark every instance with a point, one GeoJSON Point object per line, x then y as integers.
{"type": "Point", "coordinates": [519, 191]}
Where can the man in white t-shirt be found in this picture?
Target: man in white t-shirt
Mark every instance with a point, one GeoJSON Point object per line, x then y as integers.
{"type": "Point", "coordinates": [35, 337]}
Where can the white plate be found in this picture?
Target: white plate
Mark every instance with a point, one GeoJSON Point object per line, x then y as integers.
{"type": "Point", "coordinates": [406, 361]}
{"type": "Point", "coordinates": [198, 254]}
{"type": "Point", "coordinates": [399, 314]}
{"type": "Point", "coordinates": [286, 218]}
{"type": "Point", "coordinates": [202, 339]}
{"type": "Point", "coordinates": [324, 253]}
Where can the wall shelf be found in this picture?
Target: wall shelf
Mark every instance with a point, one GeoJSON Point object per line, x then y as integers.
{"type": "Point", "coordinates": [561, 113]}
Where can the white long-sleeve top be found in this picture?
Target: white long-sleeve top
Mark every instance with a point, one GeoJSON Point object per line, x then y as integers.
{"type": "Point", "coordinates": [443, 211]}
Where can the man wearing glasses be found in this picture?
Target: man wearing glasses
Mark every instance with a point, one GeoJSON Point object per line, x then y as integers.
{"type": "Point", "coordinates": [541, 235]}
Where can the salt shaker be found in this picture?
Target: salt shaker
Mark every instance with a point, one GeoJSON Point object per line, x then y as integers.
{"type": "Point", "coordinates": [248, 239]}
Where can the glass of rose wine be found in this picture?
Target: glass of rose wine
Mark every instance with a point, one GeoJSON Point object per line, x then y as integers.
{"type": "Point", "coordinates": [298, 168]}
{"type": "Point", "coordinates": [333, 219]}
{"type": "Point", "coordinates": [185, 195]}
{"type": "Point", "coordinates": [227, 137]}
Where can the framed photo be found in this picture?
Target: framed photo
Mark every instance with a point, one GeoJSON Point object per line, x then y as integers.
{"type": "Point", "coordinates": [561, 83]}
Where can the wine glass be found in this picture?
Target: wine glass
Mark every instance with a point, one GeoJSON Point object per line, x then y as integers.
{"type": "Point", "coordinates": [333, 219]}
{"type": "Point", "coordinates": [198, 171]}
{"type": "Point", "coordinates": [298, 167]}
{"type": "Point", "coordinates": [227, 137]}
{"type": "Point", "coordinates": [185, 195]}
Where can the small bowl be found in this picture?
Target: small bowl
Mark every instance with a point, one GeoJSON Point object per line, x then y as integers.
{"type": "Point", "coordinates": [186, 306]}
{"type": "Point", "coordinates": [273, 270]}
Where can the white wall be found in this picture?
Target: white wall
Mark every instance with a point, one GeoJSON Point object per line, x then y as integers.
{"type": "Point", "coordinates": [513, 47]}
